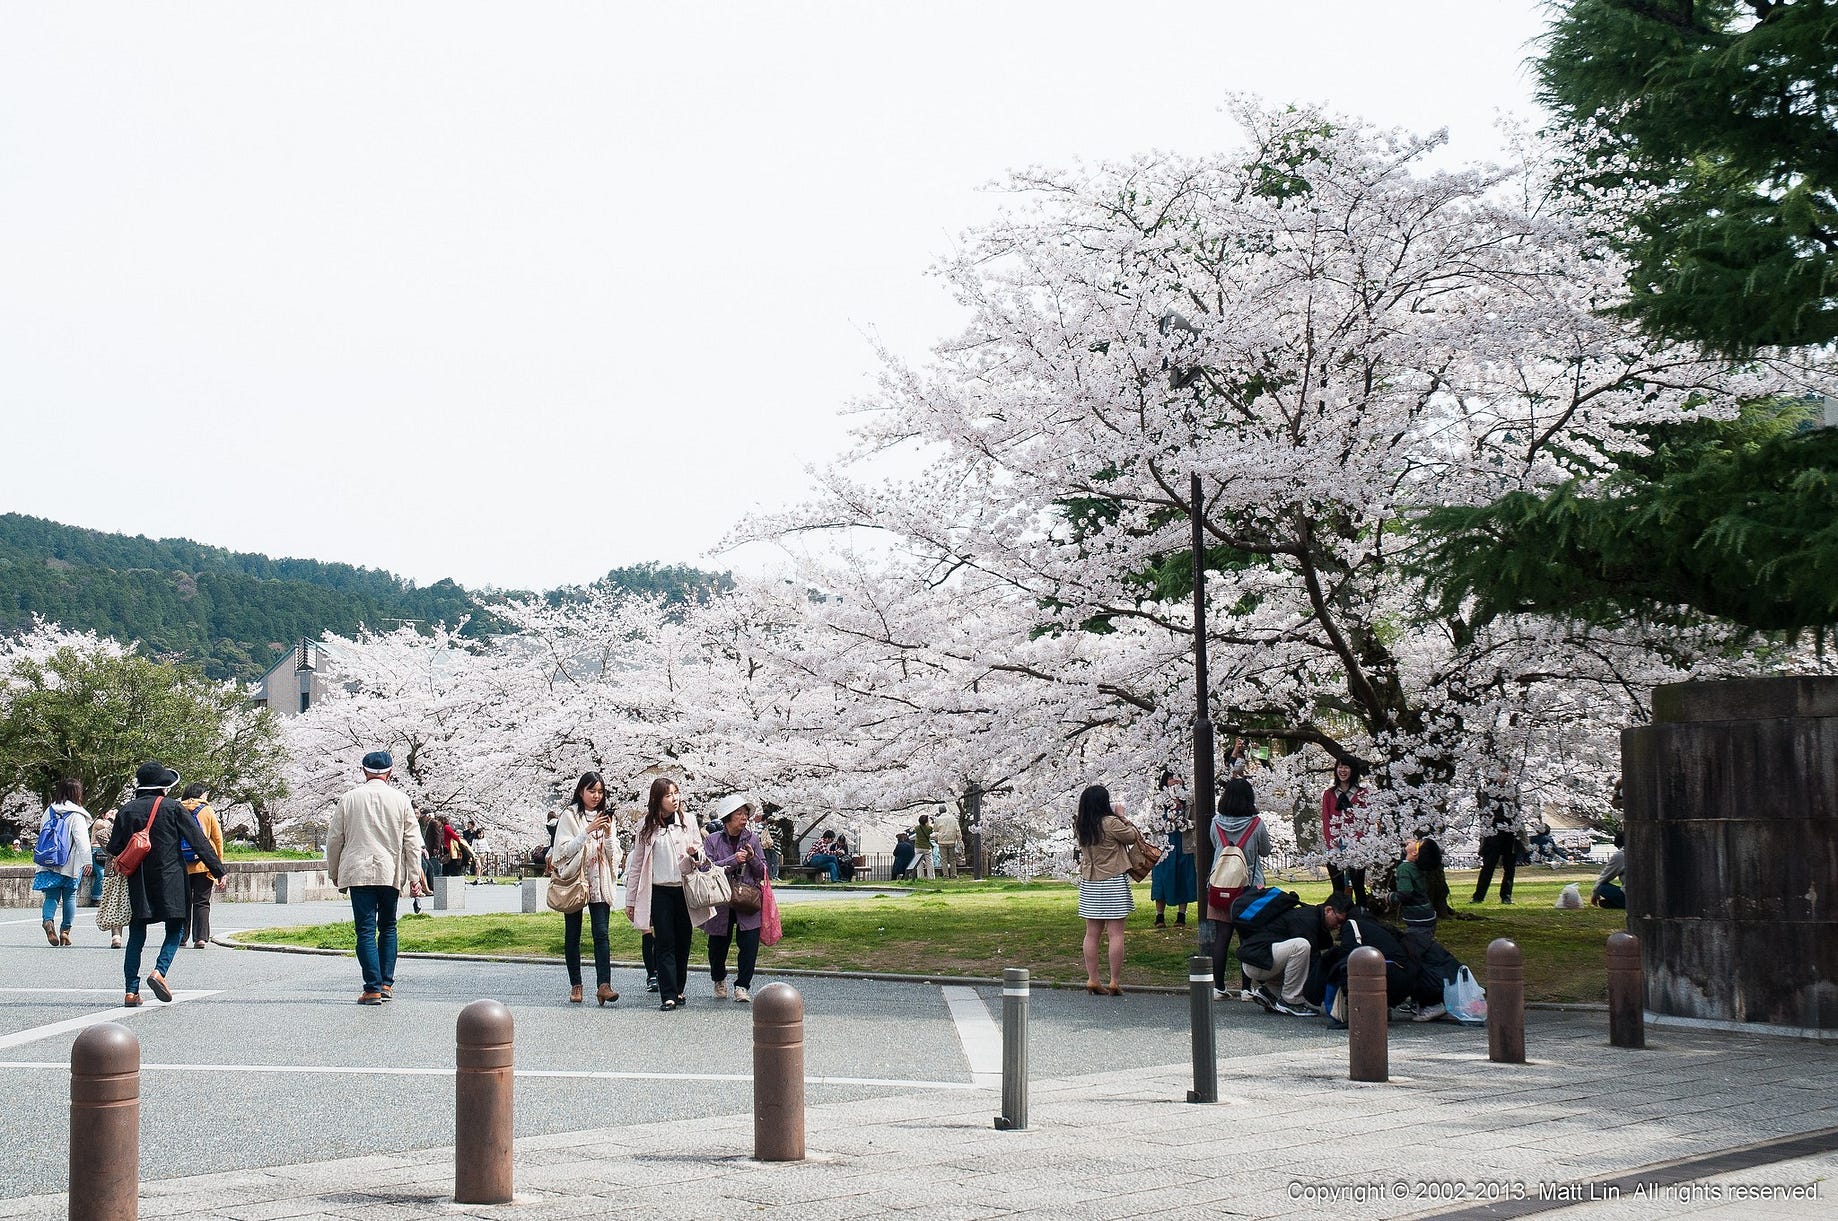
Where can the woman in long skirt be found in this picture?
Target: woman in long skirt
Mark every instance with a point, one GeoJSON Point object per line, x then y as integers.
{"type": "Point", "coordinates": [1174, 879]}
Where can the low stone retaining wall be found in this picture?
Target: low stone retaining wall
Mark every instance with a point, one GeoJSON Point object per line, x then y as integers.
{"type": "Point", "coordinates": [249, 882]}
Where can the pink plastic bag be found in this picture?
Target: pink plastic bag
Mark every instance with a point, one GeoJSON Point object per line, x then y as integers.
{"type": "Point", "coordinates": [770, 929]}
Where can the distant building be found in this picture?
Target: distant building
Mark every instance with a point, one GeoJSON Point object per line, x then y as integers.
{"type": "Point", "coordinates": [294, 683]}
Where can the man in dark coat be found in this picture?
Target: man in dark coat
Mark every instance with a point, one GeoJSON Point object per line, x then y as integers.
{"type": "Point", "coordinates": [1278, 939]}
{"type": "Point", "coordinates": [157, 889]}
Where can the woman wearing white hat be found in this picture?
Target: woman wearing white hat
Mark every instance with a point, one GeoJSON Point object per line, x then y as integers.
{"type": "Point", "coordinates": [737, 849]}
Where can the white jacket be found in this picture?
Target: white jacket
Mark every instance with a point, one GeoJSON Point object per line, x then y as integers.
{"type": "Point", "coordinates": [597, 855]}
{"type": "Point", "coordinates": [76, 829]}
{"type": "Point", "coordinates": [372, 839]}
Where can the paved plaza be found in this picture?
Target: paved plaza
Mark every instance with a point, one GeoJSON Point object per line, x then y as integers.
{"type": "Point", "coordinates": [267, 1094]}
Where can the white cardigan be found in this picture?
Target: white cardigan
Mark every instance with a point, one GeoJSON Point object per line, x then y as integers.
{"type": "Point", "coordinates": [571, 853]}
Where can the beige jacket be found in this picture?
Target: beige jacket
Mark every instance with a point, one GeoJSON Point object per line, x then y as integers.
{"type": "Point", "coordinates": [679, 838]}
{"type": "Point", "coordinates": [1110, 856]}
{"type": "Point", "coordinates": [372, 839]}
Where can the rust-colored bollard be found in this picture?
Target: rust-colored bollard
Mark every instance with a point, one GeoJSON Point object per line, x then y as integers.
{"type": "Point", "coordinates": [1627, 992]}
{"type": "Point", "coordinates": [1368, 1011]}
{"type": "Point", "coordinates": [105, 1124]}
{"type": "Point", "coordinates": [1505, 1002]}
{"type": "Point", "coordinates": [778, 1074]}
{"type": "Point", "coordinates": [482, 1109]}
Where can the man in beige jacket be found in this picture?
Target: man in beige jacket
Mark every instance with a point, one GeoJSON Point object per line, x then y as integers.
{"type": "Point", "coordinates": [373, 851]}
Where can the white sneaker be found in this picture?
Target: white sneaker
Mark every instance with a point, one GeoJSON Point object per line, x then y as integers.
{"type": "Point", "coordinates": [740, 995]}
{"type": "Point", "coordinates": [721, 990]}
{"type": "Point", "coordinates": [1220, 994]}
{"type": "Point", "coordinates": [1430, 1013]}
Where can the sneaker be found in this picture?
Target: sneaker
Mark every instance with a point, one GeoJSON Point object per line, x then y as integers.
{"type": "Point", "coordinates": [387, 991]}
{"type": "Point", "coordinates": [650, 983]}
{"type": "Point", "coordinates": [1220, 994]}
{"type": "Point", "coordinates": [1430, 1013]}
{"type": "Point", "coordinates": [721, 990]}
{"type": "Point", "coordinates": [1334, 1023]}
{"type": "Point", "coordinates": [1297, 1009]}
{"type": "Point", "coordinates": [1245, 994]}
{"type": "Point", "coordinates": [741, 997]}
{"type": "Point", "coordinates": [1266, 999]}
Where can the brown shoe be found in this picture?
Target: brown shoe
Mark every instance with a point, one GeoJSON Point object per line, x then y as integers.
{"type": "Point", "coordinates": [1115, 989]}
{"type": "Point", "coordinates": [50, 932]}
{"type": "Point", "coordinates": [131, 1000]}
{"type": "Point", "coordinates": [157, 982]}
{"type": "Point", "coordinates": [387, 991]}
{"type": "Point", "coordinates": [605, 994]}
{"type": "Point", "coordinates": [574, 995]}
{"type": "Point", "coordinates": [63, 937]}
{"type": "Point", "coordinates": [370, 998]}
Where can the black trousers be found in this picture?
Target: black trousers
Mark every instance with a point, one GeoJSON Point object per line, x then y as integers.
{"type": "Point", "coordinates": [603, 943]}
{"type": "Point", "coordinates": [647, 947]}
{"type": "Point", "coordinates": [198, 887]}
{"type": "Point", "coordinates": [718, 953]}
{"type": "Point", "coordinates": [1357, 877]}
{"type": "Point", "coordinates": [1500, 849]}
{"type": "Point", "coordinates": [670, 921]}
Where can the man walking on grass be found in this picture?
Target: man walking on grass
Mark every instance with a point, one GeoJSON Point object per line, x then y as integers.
{"type": "Point", "coordinates": [373, 851]}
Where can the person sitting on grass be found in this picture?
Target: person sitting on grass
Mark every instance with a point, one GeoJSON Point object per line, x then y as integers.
{"type": "Point", "coordinates": [1607, 894]}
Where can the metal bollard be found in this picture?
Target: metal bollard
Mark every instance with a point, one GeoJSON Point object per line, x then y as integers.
{"type": "Point", "coordinates": [482, 1110]}
{"type": "Point", "coordinates": [105, 1124]}
{"type": "Point", "coordinates": [1200, 1009]}
{"type": "Point", "coordinates": [1627, 992]}
{"type": "Point", "coordinates": [1014, 1050]}
{"type": "Point", "coordinates": [1505, 1002]}
{"type": "Point", "coordinates": [1368, 1011]}
{"type": "Point", "coordinates": [778, 1074]}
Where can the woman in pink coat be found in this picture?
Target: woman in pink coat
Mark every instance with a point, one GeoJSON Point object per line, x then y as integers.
{"type": "Point", "coordinates": [665, 849]}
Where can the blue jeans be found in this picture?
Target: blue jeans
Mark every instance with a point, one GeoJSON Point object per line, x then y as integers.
{"type": "Point", "coordinates": [65, 893]}
{"type": "Point", "coordinates": [373, 908]}
{"type": "Point", "coordinates": [137, 941]}
{"type": "Point", "coordinates": [823, 860]}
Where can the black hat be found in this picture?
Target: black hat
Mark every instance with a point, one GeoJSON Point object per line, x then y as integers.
{"type": "Point", "coordinates": [155, 776]}
{"type": "Point", "coordinates": [378, 761]}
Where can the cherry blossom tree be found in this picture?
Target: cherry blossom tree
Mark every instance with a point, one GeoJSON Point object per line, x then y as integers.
{"type": "Point", "coordinates": [1335, 337]}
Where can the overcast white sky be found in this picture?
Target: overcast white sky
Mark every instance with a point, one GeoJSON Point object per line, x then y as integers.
{"type": "Point", "coordinates": [515, 293]}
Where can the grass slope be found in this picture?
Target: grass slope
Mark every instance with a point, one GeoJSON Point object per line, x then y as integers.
{"type": "Point", "coordinates": [979, 928]}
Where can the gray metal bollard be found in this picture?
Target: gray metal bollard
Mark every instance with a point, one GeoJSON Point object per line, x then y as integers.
{"type": "Point", "coordinates": [483, 1111]}
{"type": "Point", "coordinates": [1014, 1050]}
{"type": "Point", "coordinates": [1200, 1010]}
{"type": "Point", "coordinates": [1627, 992]}
{"type": "Point", "coordinates": [778, 1074]}
{"type": "Point", "coordinates": [1505, 1002]}
{"type": "Point", "coordinates": [1368, 1011]}
{"type": "Point", "coordinates": [105, 1124]}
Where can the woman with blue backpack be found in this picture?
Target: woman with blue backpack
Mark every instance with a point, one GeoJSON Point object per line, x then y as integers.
{"type": "Point", "coordinates": [62, 854]}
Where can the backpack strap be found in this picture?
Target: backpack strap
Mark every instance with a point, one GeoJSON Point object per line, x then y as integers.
{"type": "Point", "coordinates": [1249, 832]}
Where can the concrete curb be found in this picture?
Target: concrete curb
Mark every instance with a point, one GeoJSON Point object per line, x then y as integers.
{"type": "Point", "coordinates": [961, 981]}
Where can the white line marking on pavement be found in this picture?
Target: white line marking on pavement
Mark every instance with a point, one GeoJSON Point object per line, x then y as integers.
{"type": "Point", "coordinates": [976, 1030]}
{"type": "Point", "coordinates": [36, 1033]}
{"type": "Point", "coordinates": [65, 991]}
{"type": "Point", "coordinates": [580, 1074]}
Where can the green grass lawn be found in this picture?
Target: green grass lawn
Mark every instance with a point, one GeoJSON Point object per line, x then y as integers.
{"type": "Point", "coordinates": [976, 929]}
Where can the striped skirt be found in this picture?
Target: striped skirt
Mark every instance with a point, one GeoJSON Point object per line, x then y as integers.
{"type": "Point", "coordinates": [1107, 900]}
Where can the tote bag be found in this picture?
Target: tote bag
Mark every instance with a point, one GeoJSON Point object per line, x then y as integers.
{"type": "Point", "coordinates": [770, 927]}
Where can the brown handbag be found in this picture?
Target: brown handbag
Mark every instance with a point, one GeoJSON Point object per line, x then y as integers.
{"type": "Point", "coordinates": [746, 899]}
{"type": "Point", "coordinates": [1143, 857]}
{"type": "Point", "coordinates": [139, 844]}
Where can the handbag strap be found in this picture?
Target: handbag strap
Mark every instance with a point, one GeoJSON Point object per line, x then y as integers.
{"type": "Point", "coordinates": [154, 813]}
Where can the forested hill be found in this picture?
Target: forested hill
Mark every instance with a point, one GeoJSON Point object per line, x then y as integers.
{"type": "Point", "coordinates": [232, 612]}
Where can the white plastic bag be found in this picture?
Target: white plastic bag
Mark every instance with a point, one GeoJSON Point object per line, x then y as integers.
{"type": "Point", "coordinates": [1465, 999]}
{"type": "Point", "coordinates": [1570, 899]}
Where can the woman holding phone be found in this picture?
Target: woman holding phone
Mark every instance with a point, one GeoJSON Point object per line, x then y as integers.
{"type": "Point", "coordinates": [585, 840]}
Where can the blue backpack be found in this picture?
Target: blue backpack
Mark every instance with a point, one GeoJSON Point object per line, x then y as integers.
{"type": "Point", "coordinates": [53, 848]}
{"type": "Point", "coordinates": [186, 851]}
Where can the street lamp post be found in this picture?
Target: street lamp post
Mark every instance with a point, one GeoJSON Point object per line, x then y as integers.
{"type": "Point", "coordinates": [1200, 804]}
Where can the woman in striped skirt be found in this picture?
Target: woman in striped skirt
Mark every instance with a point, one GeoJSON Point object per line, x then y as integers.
{"type": "Point", "coordinates": [1105, 901]}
